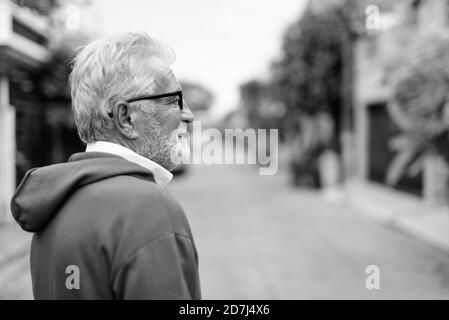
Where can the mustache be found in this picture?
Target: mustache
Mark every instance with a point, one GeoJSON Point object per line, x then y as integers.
{"type": "Point", "coordinates": [182, 128]}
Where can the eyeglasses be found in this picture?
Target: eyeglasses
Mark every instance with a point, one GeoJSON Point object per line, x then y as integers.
{"type": "Point", "coordinates": [158, 96]}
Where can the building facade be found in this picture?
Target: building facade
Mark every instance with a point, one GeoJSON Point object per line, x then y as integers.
{"type": "Point", "coordinates": [373, 126]}
{"type": "Point", "coordinates": [36, 125]}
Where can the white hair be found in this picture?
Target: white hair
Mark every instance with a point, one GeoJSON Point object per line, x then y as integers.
{"type": "Point", "coordinates": [106, 71]}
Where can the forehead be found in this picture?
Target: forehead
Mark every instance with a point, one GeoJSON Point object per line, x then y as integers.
{"type": "Point", "coordinates": [162, 75]}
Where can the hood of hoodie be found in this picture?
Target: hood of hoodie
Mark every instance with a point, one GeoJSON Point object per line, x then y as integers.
{"type": "Point", "coordinates": [43, 190]}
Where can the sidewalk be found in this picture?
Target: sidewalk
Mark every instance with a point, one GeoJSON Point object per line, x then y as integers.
{"type": "Point", "coordinates": [15, 280]}
{"type": "Point", "coordinates": [402, 211]}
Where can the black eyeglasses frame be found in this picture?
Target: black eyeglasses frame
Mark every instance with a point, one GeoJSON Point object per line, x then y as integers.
{"type": "Point", "coordinates": [157, 96]}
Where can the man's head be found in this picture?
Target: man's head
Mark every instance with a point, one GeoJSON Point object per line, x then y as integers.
{"type": "Point", "coordinates": [108, 75]}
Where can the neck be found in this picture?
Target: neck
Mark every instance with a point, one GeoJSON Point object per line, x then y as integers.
{"type": "Point", "coordinates": [124, 142]}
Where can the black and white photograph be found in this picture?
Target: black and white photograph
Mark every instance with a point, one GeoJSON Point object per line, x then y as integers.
{"type": "Point", "coordinates": [239, 151]}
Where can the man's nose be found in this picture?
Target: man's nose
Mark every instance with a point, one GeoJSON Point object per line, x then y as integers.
{"type": "Point", "coordinates": [186, 113]}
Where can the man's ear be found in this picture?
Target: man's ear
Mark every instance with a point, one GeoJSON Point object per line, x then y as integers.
{"type": "Point", "coordinates": [123, 120]}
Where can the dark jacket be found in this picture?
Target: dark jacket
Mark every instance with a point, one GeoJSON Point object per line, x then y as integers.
{"type": "Point", "coordinates": [107, 218]}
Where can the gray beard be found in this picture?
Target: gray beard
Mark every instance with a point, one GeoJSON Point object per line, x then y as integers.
{"type": "Point", "coordinates": [156, 147]}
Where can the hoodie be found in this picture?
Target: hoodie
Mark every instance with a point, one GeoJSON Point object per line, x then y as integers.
{"type": "Point", "coordinates": [103, 229]}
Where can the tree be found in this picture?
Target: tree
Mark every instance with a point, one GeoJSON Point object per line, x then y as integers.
{"type": "Point", "coordinates": [420, 104]}
{"type": "Point", "coordinates": [308, 75]}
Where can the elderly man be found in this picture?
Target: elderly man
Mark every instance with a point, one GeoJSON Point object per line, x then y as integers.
{"type": "Point", "coordinates": [104, 225]}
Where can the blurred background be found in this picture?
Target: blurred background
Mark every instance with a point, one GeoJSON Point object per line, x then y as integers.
{"type": "Point", "coordinates": [358, 89]}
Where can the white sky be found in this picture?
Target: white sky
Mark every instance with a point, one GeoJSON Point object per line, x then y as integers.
{"type": "Point", "coordinates": [218, 43]}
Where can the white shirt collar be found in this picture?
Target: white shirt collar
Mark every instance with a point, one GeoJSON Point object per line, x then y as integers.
{"type": "Point", "coordinates": [161, 175]}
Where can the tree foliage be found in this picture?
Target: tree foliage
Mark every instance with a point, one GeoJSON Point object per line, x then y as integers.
{"type": "Point", "coordinates": [308, 75]}
{"type": "Point", "coordinates": [420, 104]}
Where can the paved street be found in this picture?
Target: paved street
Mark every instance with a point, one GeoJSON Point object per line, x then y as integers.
{"type": "Point", "coordinates": [260, 239]}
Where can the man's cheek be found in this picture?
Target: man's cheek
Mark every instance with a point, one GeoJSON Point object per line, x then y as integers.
{"type": "Point", "coordinates": [169, 120]}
